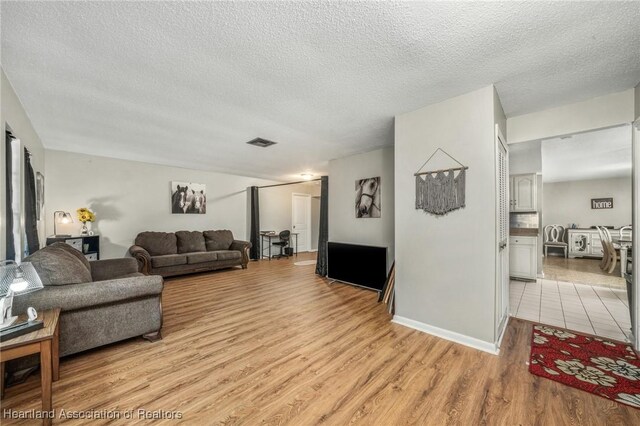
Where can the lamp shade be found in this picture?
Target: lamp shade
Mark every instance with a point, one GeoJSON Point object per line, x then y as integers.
{"type": "Point", "coordinates": [19, 279]}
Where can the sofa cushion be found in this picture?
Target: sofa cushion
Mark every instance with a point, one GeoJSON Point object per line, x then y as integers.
{"type": "Point", "coordinates": [201, 257]}
{"type": "Point", "coordinates": [218, 240]}
{"type": "Point", "coordinates": [75, 252]}
{"type": "Point", "coordinates": [158, 243]}
{"type": "Point", "coordinates": [57, 266]}
{"type": "Point", "coordinates": [168, 260]}
{"type": "Point", "coordinates": [190, 242]}
{"type": "Point", "coordinates": [227, 254]}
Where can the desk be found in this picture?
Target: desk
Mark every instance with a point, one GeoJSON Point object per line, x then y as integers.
{"type": "Point", "coordinates": [45, 342]}
{"type": "Point", "coordinates": [625, 244]}
{"type": "Point", "coordinates": [270, 237]}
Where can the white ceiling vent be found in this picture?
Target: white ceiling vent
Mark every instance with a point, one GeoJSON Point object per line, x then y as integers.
{"type": "Point", "coordinates": [262, 143]}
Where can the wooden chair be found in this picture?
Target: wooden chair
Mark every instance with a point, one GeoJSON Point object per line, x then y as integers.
{"type": "Point", "coordinates": [610, 250]}
{"type": "Point", "coordinates": [605, 250]}
{"type": "Point", "coordinates": [626, 232]}
{"type": "Point", "coordinates": [554, 237]}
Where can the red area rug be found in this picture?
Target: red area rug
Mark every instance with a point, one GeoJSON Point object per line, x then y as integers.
{"type": "Point", "coordinates": [607, 369]}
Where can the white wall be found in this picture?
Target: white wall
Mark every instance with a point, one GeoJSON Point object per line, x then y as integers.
{"type": "Point", "coordinates": [637, 100]}
{"type": "Point", "coordinates": [12, 114]}
{"type": "Point", "coordinates": [570, 202]}
{"type": "Point", "coordinates": [344, 227]}
{"type": "Point", "coordinates": [276, 208]}
{"type": "Point", "coordinates": [445, 266]}
{"type": "Point", "coordinates": [525, 158]}
{"type": "Point", "coordinates": [597, 113]}
{"type": "Point", "coordinates": [130, 197]}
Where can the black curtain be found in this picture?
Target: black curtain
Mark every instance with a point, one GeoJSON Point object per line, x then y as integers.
{"type": "Point", "coordinates": [11, 253]}
{"type": "Point", "coordinates": [30, 212]}
{"type": "Point", "coordinates": [323, 234]}
{"type": "Point", "coordinates": [254, 252]}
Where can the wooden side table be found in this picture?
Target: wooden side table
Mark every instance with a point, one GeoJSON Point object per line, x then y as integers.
{"type": "Point", "coordinates": [44, 342]}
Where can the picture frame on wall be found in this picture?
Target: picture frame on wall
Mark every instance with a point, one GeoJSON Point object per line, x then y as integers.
{"type": "Point", "coordinates": [188, 198]}
{"type": "Point", "coordinates": [368, 198]}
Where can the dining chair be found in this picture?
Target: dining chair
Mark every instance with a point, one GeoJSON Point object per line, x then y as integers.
{"type": "Point", "coordinates": [626, 235]}
{"type": "Point", "coordinates": [554, 237]}
{"type": "Point", "coordinates": [605, 249]}
{"type": "Point", "coordinates": [626, 232]}
{"type": "Point", "coordinates": [611, 248]}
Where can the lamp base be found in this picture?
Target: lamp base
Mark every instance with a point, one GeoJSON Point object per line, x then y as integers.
{"type": "Point", "coordinates": [8, 322]}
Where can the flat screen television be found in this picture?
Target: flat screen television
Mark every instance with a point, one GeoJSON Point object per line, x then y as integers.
{"type": "Point", "coordinates": [365, 266]}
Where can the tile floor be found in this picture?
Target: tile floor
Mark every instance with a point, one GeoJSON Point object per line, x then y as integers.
{"type": "Point", "coordinates": [583, 308]}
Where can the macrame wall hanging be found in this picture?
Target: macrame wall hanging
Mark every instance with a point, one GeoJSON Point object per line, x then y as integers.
{"type": "Point", "coordinates": [440, 191]}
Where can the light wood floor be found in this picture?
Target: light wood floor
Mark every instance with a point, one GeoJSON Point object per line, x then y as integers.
{"type": "Point", "coordinates": [276, 345]}
{"type": "Point", "coordinates": [582, 271]}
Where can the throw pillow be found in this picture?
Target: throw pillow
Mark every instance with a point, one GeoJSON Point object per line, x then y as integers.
{"type": "Point", "coordinates": [57, 266]}
{"type": "Point", "coordinates": [218, 240]}
{"type": "Point", "coordinates": [190, 242]}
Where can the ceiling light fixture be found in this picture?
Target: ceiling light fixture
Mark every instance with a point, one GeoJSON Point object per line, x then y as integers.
{"type": "Point", "coordinates": [262, 143]}
{"type": "Point", "coordinates": [306, 176]}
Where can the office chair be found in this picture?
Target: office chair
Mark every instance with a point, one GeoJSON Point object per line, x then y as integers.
{"type": "Point", "coordinates": [284, 237]}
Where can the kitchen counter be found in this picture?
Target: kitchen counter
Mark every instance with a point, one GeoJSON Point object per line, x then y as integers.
{"type": "Point", "coordinates": [523, 232]}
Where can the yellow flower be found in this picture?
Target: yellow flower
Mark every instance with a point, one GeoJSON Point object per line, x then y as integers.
{"type": "Point", "coordinates": [85, 215]}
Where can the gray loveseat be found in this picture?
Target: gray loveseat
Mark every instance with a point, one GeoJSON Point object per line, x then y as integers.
{"type": "Point", "coordinates": [186, 252]}
{"type": "Point", "coordinates": [101, 302]}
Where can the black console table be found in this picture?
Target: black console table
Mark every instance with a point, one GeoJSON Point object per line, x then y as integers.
{"type": "Point", "coordinates": [89, 245]}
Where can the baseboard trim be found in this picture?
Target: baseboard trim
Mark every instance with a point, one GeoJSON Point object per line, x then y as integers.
{"type": "Point", "coordinates": [452, 336]}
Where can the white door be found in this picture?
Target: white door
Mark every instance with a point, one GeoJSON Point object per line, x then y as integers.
{"type": "Point", "coordinates": [524, 192]}
{"type": "Point", "coordinates": [502, 233]}
{"type": "Point", "coordinates": [301, 221]}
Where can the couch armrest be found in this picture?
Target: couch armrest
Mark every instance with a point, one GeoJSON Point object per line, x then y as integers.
{"type": "Point", "coordinates": [143, 257]}
{"type": "Point", "coordinates": [71, 297]}
{"type": "Point", "coordinates": [243, 247]}
{"type": "Point", "coordinates": [112, 268]}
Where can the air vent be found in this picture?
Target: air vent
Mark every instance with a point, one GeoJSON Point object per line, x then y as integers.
{"type": "Point", "coordinates": [262, 143]}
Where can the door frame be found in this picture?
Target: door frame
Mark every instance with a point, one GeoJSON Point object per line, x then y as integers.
{"type": "Point", "coordinates": [635, 218]}
{"type": "Point", "coordinates": [308, 218]}
{"type": "Point", "coordinates": [502, 284]}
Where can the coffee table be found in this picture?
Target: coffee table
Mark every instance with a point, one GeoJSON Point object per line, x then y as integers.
{"type": "Point", "coordinates": [44, 342]}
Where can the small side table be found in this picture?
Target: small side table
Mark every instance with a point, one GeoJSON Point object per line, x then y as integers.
{"type": "Point", "coordinates": [44, 342]}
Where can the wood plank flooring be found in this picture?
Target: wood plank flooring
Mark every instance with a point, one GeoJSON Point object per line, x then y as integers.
{"type": "Point", "coordinates": [274, 344]}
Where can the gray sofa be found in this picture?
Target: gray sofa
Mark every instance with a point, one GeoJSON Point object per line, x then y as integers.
{"type": "Point", "coordinates": [186, 252]}
{"type": "Point", "coordinates": [101, 302]}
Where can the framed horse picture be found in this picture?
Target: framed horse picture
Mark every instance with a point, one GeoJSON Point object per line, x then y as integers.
{"type": "Point", "coordinates": [188, 198]}
{"type": "Point", "coordinates": [368, 197]}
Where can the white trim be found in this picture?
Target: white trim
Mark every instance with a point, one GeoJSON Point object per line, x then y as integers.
{"type": "Point", "coordinates": [452, 336]}
{"type": "Point", "coordinates": [635, 197]}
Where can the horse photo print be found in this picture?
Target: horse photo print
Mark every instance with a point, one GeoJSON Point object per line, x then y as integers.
{"type": "Point", "coordinates": [188, 197]}
{"type": "Point", "coordinates": [368, 197]}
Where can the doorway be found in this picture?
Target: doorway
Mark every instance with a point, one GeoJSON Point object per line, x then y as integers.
{"type": "Point", "coordinates": [584, 182]}
{"type": "Point", "coordinates": [301, 220]}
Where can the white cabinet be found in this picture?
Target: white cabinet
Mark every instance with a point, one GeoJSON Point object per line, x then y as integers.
{"type": "Point", "coordinates": [524, 194]}
{"type": "Point", "coordinates": [584, 243]}
{"type": "Point", "coordinates": [523, 255]}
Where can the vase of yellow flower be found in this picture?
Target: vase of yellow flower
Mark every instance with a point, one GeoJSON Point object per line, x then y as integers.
{"type": "Point", "coordinates": [85, 215]}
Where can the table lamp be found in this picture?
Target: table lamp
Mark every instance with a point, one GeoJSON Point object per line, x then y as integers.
{"type": "Point", "coordinates": [15, 279]}
{"type": "Point", "coordinates": [61, 217]}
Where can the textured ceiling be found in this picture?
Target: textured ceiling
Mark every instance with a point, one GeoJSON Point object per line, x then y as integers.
{"type": "Point", "coordinates": [594, 155]}
{"type": "Point", "coordinates": [188, 83]}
